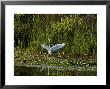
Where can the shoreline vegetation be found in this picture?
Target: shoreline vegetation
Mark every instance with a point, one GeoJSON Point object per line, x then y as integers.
{"type": "Point", "coordinates": [77, 58]}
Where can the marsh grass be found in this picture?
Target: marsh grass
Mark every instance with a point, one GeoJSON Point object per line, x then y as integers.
{"type": "Point", "coordinates": [33, 64]}
{"type": "Point", "coordinates": [77, 31]}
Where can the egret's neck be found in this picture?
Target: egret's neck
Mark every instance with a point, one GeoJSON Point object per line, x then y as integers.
{"type": "Point", "coordinates": [49, 46]}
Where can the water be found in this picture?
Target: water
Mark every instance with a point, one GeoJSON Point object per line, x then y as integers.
{"type": "Point", "coordinates": [43, 70]}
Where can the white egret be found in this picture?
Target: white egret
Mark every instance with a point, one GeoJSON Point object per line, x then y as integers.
{"type": "Point", "coordinates": [53, 48]}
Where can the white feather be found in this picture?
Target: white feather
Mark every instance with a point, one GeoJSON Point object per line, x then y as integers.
{"type": "Point", "coordinates": [52, 49]}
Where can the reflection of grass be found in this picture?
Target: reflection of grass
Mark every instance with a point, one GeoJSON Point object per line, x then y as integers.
{"type": "Point", "coordinates": [56, 71]}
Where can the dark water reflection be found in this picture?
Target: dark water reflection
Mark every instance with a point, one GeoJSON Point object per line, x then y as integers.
{"type": "Point", "coordinates": [40, 71]}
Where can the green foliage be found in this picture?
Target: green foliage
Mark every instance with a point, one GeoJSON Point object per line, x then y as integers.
{"type": "Point", "coordinates": [78, 32]}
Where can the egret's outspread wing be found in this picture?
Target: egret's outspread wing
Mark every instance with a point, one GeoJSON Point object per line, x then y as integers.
{"type": "Point", "coordinates": [46, 47]}
{"type": "Point", "coordinates": [52, 49]}
{"type": "Point", "coordinates": [56, 47]}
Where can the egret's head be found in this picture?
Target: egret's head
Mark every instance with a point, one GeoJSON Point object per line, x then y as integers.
{"type": "Point", "coordinates": [63, 43]}
{"type": "Point", "coordinates": [49, 39]}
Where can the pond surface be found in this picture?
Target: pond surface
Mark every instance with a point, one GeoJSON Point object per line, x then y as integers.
{"type": "Point", "coordinates": [43, 70]}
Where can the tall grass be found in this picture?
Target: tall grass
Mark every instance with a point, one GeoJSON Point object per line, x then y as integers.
{"type": "Point", "coordinates": [78, 32]}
